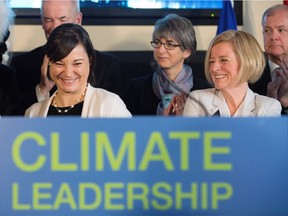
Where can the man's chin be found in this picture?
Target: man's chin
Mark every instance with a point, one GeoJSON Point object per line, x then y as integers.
{"type": "Point", "coordinates": [275, 53]}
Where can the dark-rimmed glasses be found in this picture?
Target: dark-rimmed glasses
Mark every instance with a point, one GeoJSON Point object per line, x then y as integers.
{"type": "Point", "coordinates": [167, 45]}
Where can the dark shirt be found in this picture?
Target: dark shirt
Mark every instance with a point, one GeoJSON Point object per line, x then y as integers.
{"type": "Point", "coordinates": [75, 111]}
{"type": "Point", "coordinates": [9, 93]}
{"type": "Point", "coordinates": [260, 87]}
{"type": "Point", "coordinates": [140, 98]}
{"type": "Point", "coordinates": [28, 68]}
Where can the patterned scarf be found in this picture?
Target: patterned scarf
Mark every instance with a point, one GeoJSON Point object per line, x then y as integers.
{"type": "Point", "coordinates": [165, 89]}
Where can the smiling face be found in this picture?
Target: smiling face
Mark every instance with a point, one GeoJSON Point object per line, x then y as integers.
{"type": "Point", "coordinates": [223, 66]}
{"type": "Point", "coordinates": [275, 34]}
{"type": "Point", "coordinates": [70, 74]}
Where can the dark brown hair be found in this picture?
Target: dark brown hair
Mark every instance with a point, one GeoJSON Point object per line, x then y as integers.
{"type": "Point", "coordinates": [64, 39]}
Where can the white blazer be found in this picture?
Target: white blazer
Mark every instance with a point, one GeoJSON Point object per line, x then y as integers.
{"type": "Point", "coordinates": [209, 102]}
{"type": "Point", "coordinates": [97, 103]}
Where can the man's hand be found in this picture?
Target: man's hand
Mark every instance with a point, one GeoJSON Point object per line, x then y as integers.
{"type": "Point", "coordinates": [273, 88]}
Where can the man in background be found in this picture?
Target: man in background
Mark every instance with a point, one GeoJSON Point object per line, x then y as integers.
{"type": "Point", "coordinates": [274, 80]}
{"type": "Point", "coordinates": [31, 67]}
{"type": "Point", "coordinates": [9, 93]}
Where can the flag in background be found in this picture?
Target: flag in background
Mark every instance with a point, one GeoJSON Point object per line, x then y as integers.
{"type": "Point", "coordinates": [227, 19]}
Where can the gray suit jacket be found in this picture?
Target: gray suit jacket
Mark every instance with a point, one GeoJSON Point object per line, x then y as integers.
{"type": "Point", "coordinates": [210, 102]}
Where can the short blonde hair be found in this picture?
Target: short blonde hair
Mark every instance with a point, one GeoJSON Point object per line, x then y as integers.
{"type": "Point", "coordinates": [248, 52]}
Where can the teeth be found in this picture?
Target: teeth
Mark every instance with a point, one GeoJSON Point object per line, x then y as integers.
{"type": "Point", "coordinates": [220, 76]}
{"type": "Point", "coordinates": [68, 80]}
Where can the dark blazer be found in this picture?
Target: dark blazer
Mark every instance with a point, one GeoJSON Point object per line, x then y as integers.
{"type": "Point", "coordinates": [260, 86]}
{"type": "Point", "coordinates": [140, 98]}
{"type": "Point", "coordinates": [28, 68]}
{"type": "Point", "coordinates": [9, 93]}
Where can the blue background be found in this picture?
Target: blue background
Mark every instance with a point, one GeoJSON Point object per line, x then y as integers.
{"type": "Point", "coordinates": [259, 155]}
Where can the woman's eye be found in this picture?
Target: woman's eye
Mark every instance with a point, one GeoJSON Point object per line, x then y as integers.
{"type": "Point", "coordinates": [58, 63]}
{"type": "Point", "coordinates": [169, 44]}
{"type": "Point", "coordinates": [78, 63]}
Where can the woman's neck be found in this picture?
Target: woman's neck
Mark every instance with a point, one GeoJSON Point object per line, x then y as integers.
{"type": "Point", "coordinates": [172, 73]}
{"type": "Point", "coordinates": [65, 99]}
{"type": "Point", "coordinates": [235, 96]}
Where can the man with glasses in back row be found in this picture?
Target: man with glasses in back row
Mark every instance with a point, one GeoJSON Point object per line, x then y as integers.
{"type": "Point", "coordinates": [31, 67]}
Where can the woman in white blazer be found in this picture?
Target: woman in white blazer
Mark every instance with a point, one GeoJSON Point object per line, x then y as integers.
{"type": "Point", "coordinates": [71, 60]}
{"type": "Point", "coordinates": [233, 59]}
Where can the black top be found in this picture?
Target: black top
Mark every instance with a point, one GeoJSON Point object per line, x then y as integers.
{"type": "Point", "coordinates": [260, 87]}
{"type": "Point", "coordinates": [9, 93]}
{"type": "Point", "coordinates": [140, 98]}
{"type": "Point", "coordinates": [28, 68]}
{"type": "Point", "coordinates": [75, 111]}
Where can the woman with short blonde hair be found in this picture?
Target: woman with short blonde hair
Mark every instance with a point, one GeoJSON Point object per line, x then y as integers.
{"type": "Point", "coordinates": [233, 59]}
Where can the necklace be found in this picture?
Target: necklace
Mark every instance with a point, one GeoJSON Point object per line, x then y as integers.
{"type": "Point", "coordinates": [68, 108]}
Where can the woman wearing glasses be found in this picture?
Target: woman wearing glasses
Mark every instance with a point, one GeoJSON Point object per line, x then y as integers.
{"type": "Point", "coordinates": [165, 91]}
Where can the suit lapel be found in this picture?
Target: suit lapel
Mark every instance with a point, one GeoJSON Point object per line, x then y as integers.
{"type": "Point", "coordinates": [218, 102]}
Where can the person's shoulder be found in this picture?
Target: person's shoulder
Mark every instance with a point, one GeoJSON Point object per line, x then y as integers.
{"type": "Point", "coordinates": [105, 55]}
{"type": "Point", "coordinates": [37, 52]}
{"type": "Point", "coordinates": [199, 83]}
{"type": "Point", "coordinates": [200, 92]}
{"type": "Point", "coordinates": [7, 73]}
{"type": "Point", "coordinates": [265, 99]}
{"type": "Point", "coordinates": [267, 104]}
{"type": "Point", "coordinates": [142, 79]}
{"type": "Point", "coordinates": [34, 109]}
{"type": "Point", "coordinates": [101, 93]}
{"type": "Point", "coordinates": [5, 69]}
{"type": "Point", "coordinates": [142, 82]}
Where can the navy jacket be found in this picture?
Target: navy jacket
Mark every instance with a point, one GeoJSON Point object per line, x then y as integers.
{"type": "Point", "coordinates": [9, 93]}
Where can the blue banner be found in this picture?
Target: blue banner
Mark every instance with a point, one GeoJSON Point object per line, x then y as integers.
{"type": "Point", "coordinates": [144, 166]}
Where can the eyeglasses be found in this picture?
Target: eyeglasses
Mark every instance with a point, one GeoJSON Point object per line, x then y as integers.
{"type": "Point", "coordinates": [167, 45]}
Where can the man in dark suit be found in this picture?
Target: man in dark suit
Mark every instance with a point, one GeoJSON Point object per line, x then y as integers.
{"type": "Point", "coordinates": [9, 93]}
{"type": "Point", "coordinates": [274, 80]}
{"type": "Point", "coordinates": [31, 67]}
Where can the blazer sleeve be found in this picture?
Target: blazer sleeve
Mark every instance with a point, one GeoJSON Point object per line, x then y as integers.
{"type": "Point", "coordinates": [274, 109]}
{"type": "Point", "coordinates": [192, 107]}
